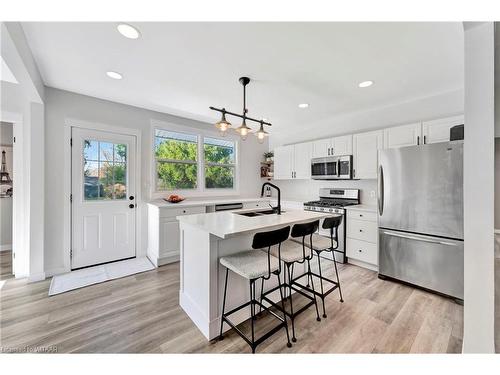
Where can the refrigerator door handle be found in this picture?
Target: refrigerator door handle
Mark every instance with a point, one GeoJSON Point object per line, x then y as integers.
{"type": "Point", "coordinates": [423, 239]}
{"type": "Point", "coordinates": [380, 190]}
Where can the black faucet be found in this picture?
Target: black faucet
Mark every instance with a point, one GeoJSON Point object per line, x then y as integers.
{"type": "Point", "coordinates": [278, 208]}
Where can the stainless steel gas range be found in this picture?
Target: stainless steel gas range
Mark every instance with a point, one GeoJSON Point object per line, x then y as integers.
{"type": "Point", "coordinates": [333, 201]}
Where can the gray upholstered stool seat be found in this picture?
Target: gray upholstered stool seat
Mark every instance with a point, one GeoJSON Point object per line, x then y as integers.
{"type": "Point", "coordinates": [319, 242]}
{"type": "Point", "coordinates": [291, 251]}
{"type": "Point", "coordinates": [250, 264]}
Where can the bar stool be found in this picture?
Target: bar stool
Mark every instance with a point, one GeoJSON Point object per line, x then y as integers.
{"type": "Point", "coordinates": [290, 255]}
{"type": "Point", "coordinates": [331, 223]}
{"type": "Point", "coordinates": [254, 265]}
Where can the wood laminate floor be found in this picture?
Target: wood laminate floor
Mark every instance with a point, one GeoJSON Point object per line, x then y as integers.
{"type": "Point", "coordinates": [6, 264]}
{"type": "Point", "coordinates": [141, 314]}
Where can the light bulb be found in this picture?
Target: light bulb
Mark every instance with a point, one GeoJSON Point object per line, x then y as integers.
{"type": "Point", "coordinates": [244, 133]}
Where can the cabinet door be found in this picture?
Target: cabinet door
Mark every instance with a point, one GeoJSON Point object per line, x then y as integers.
{"type": "Point", "coordinates": [283, 162]}
{"type": "Point", "coordinates": [401, 136]}
{"type": "Point", "coordinates": [169, 237]}
{"type": "Point", "coordinates": [342, 145]}
{"type": "Point", "coordinates": [321, 148]}
{"type": "Point", "coordinates": [365, 153]}
{"type": "Point", "coordinates": [302, 160]}
{"type": "Point", "coordinates": [439, 130]}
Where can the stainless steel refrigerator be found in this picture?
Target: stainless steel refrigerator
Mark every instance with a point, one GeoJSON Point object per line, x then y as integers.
{"type": "Point", "coordinates": [420, 208]}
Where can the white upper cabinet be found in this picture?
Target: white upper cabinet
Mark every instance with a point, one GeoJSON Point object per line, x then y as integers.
{"type": "Point", "coordinates": [365, 154]}
{"type": "Point", "coordinates": [302, 160]}
{"type": "Point", "coordinates": [293, 161]}
{"type": "Point", "coordinates": [439, 130]}
{"type": "Point", "coordinates": [342, 145]}
{"type": "Point", "coordinates": [321, 148]}
{"type": "Point", "coordinates": [404, 135]}
{"type": "Point", "coordinates": [283, 162]}
{"type": "Point", "coordinates": [332, 146]}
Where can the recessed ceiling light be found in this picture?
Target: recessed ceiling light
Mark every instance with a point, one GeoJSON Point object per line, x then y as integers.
{"type": "Point", "coordinates": [114, 75]}
{"type": "Point", "coordinates": [128, 31]}
{"type": "Point", "coordinates": [303, 105]}
{"type": "Point", "coordinates": [366, 84]}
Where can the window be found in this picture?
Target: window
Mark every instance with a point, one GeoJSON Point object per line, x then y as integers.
{"type": "Point", "coordinates": [105, 170]}
{"type": "Point", "coordinates": [176, 160]}
{"type": "Point", "coordinates": [199, 162]}
{"type": "Point", "coordinates": [219, 163]}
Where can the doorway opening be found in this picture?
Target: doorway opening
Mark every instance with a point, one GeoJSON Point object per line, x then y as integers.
{"type": "Point", "coordinates": [6, 199]}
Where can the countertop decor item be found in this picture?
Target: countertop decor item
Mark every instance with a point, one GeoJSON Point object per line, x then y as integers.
{"type": "Point", "coordinates": [174, 198]}
{"type": "Point", "coordinates": [223, 125]}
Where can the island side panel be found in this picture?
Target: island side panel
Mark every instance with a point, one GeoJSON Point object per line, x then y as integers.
{"type": "Point", "coordinates": [194, 294]}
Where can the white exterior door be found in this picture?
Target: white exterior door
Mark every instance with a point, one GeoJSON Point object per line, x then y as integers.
{"type": "Point", "coordinates": [103, 197]}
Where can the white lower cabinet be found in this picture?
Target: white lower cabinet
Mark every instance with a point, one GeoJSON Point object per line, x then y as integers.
{"type": "Point", "coordinates": [362, 238]}
{"type": "Point", "coordinates": [164, 234]}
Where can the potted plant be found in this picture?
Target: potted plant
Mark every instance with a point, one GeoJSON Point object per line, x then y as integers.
{"type": "Point", "coordinates": [269, 156]}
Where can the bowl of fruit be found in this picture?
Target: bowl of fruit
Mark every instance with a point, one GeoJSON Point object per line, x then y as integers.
{"type": "Point", "coordinates": [174, 198]}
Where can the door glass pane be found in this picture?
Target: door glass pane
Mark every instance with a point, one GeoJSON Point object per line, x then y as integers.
{"type": "Point", "coordinates": [105, 170]}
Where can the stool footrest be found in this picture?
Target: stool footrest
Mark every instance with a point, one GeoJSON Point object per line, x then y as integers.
{"type": "Point", "coordinates": [318, 293]}
{"type": "Point", "coordinates": [288, 313]}
{"type": "Point", "coordinates": [268, 334]}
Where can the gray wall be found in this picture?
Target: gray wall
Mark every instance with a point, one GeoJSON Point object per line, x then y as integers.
{"type": "Point", "coordinates": [62, 105]}
{"type": "Point", "coordinates": [6, 133]}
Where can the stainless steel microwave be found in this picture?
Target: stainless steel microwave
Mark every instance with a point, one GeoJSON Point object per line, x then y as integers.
{"type": "Point", "coordinates": [332, 168]}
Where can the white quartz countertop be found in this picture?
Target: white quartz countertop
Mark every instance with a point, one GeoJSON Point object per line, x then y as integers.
{"type": "Point", "coordinates": [191, 202]}
{"type": "Point", "coordinates": [228, 223]}
{"type": "Point", "coordinates": [362, 207]}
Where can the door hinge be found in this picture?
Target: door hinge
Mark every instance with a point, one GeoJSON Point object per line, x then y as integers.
{"type": "Point", "coordinates": [13, 255]}
{"type": "Point", "coordinates": [14, 139]}
{"type": "Point", "coordinates": [71, 253]}
{"type": "Point", "coordinates": [71, 141]}
{"type": "Point", "coordinates": [71, 198]}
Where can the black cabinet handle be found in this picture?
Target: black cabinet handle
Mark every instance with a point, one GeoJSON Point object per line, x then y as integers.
{"type": "Point", "coordinates": [131, 206]}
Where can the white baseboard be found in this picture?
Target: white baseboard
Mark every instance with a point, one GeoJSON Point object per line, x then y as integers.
{"type": "Point", "coordinates": [36, 277]}
{"type": "Point", "coordinates": [56, 271]}
{"type": "Point", "coordinates": [5, 247]}
{"type": "Point", "coordinates": [359, 263]}
{"type": "Point", "coordinates": [175, 257]}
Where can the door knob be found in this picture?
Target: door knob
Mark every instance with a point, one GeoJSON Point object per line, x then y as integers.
{"type": "Point", "coordinates": [131, 197]}
{"type": "Point", "coordinates": [131, 206]}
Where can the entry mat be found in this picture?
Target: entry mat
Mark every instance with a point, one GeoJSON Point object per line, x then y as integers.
{"type": "Point", "coordinates": [98, 274]}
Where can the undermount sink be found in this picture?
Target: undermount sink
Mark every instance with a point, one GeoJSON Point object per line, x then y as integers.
{"type": "Point", "coordinates": [257, 213]}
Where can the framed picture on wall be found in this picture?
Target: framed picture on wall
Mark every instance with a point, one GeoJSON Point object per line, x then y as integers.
{"type": "Point", "coordinates": [6, 187]}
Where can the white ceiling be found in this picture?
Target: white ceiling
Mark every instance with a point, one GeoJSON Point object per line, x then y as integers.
{"type": "Point", "coordinates": [183, 68]}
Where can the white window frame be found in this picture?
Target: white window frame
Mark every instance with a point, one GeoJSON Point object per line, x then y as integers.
{"type": "Point", "coordinates": [201, 190]}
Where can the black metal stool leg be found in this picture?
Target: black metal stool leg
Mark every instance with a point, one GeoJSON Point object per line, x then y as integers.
{"type": "Point", "coordinates": [261, 293]}
{"type": "Point", "coordinates": [337, 273]}
{"type": "Point", "coordinates": [294, 339]}
{"type": "Point", "coordinates": [321, 284]}
{"type": "Point", "coordinates": [312, 284]}
{"type": "Point", "coordinates": [288, 344]}
{"type": "Point", "coordinates": [252, 318]}
{"type": "Point", "coordinates": [223, 306]}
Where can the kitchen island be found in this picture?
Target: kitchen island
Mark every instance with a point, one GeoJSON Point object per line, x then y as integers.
{"type": "Point", "coordinates": [207, 237]}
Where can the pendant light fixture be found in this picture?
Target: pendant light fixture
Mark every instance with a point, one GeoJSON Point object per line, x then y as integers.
{"type": "Point", "coordinates": [223, 125]}
{"type": "Point", "coordinates": [261, 134]}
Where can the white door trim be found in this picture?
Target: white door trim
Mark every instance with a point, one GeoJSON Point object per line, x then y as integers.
{"type": "Point", "coordinates": [75, 123]}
